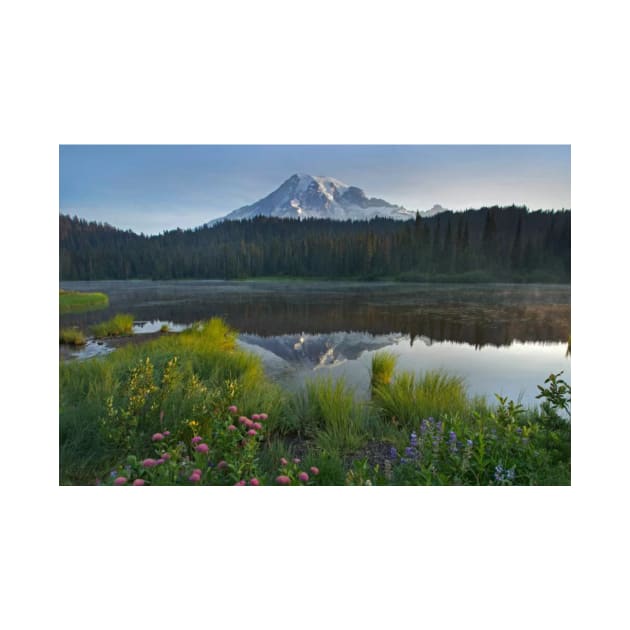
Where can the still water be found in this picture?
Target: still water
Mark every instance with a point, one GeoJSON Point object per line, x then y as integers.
{"type": "Point", "coordinates": [502, 339]}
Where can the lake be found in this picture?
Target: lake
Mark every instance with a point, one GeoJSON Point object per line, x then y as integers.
{"type": "Point", "coordinates": [502, 338]}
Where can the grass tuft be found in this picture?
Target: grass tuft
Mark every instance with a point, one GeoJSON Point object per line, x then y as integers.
{"type": "Point", "coordinates": [72, 336]}
{"type": "Point", "coordinates": [121, 324]}
{"type": "Point", "coordinates": [382, 370]}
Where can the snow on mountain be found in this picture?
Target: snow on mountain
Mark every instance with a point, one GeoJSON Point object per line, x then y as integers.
{"type": "Point", "coordinates": [320, 197]}
{"type": "Point", "coordinates": [437, 208]}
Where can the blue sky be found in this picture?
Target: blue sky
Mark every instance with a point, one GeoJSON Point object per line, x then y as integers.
{"type": "Point", "coordinates": [152, 188]}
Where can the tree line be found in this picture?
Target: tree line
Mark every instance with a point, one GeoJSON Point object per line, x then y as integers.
{"type": "Point", "coordinates": [496, 243]}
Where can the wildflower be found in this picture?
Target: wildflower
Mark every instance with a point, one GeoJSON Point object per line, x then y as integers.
{"type": "Point", "coordinates": [255, 417]}
{"type": "Point", "coordinates": [469, 443]}
{"type": "Point", "coordinates": [240, 483]}
{"type": "Point", "coordinates": [413, 440]}
{"type": "Point", "coordinates": [244, 420]}
{"type": "Point", "coordinates": [410, 451]}
{"type": "Point", "coordinates": [160, 461]}
{"type": "Point", "coordinates": [197, 471]}
{"type": "Point", "coordinates": [393, 453]}
{"type": "Point", "coordinates": [222, 464]}
{"type": "Point", "coordinates": [149, 463]}
{"type": "Point", "coordinates": [119, 481]}
{"type": "Point", "coordinates": [262, 416]}
{"type": "Point", "coordinates": [157, 437]}
{"type": "Point", "coordinates": [166, 456]}
{"type": "Point", "coordinates": [452, 441]}
{"type": "Point", "coordinates": [510, 474]}
{"type": "Point", "coordinates": [233, 409]}
{"type": "Point", "coordinates": [424, 426]}
{"type": "Point", "coordinates": [283, 461]}
{"type": "Point", "coordinates": [194, 477]}
{"type": "Point", "coordinates": [113, 474]}
{"type": "Point", "coordinates": [201, 448]}
{"type": "Point", "coordinates": [257, 426]}
{"type": "Point", "coordinates": [138, 482]}
{"type": "Point", "coordinates": [252, 432]}
{"type": "Point", "coordinates": [296, 460]}
{"type": "Point", "coordinates": [166, 433]}
{"type": "Point", "coordinates": [196, 439]}
{"type": "Point", "coordinates": [254, 482]}
{"type": "Point", "coordinates": [303, 477]}
{"type": "Point", "coordinates": [314, 470]}
{"type": "Point", "coordinates": [283, 480]}
{"type": "Point", "coordinates": [519, 430]}
{"type": "Point", "coordinates": [231, 428]}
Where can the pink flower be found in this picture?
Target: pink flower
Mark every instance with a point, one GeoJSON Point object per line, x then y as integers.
{"type": "Point", "coordinates": [249, 424]}
{"type": "Point", "coordinates": [232, 408]}
{"type": "Point", "coordinates": [119, 481]}
{"type": "Point", "coordinates": [303, 477]}
{"type": "Point", "coordinates": [166, 433]}
{"type": "Point", "coordinates": [197, 471]}
{"type": "Point", "coordinates": [138, 482]}
{"type": "Point", "coordinates": [240, 483]}
{"type": "Point", "coordinates": [149, 463]}
{"type": "Point", "coordinates": [243, 420]}
{"type": "Point", "coordinates": [201, 448]}
{"type": "Point", "coordinates": [257, 426]}
{"type": "Point", "coordinates": [315, 470]}
{"type": "Point", "coordinates": [196, 439]}
{"type": "Point", "coordinates": [262, 416]}
{"type": "Point", "coordinates": [231, 428]}
{"type": "Point", "coordinates": [252, 432]}
{"type": "Point", "coordinates": [222, 464]}
{"type": "Point", "coordinates": [296, 460]}
{"type": "Point", "coordinates": [166, 456]}
{"type": "Point", "coordinates": [283, 480]}
{"type": "Point", "coordinates": [157, 437]}
{"type": "Point", "coordinates": [160, 461]}
{"type": "Point", "coordinates": [194, 477]}
{"type": "Point", "coordinates": [255, 417]}
{"type": "Point", "coordinates": [283, 461]}
{"type": "Point", "coordinates": [254, 482]}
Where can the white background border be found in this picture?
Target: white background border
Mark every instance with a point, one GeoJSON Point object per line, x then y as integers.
{"type": "Point", "coordinates": [325, 72]}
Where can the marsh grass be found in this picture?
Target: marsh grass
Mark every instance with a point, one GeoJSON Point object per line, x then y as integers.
{"type": "Point", "coordinates": [409, 398]}
{"type": "Point", "coordinates": [72, 336]}
{"type": "Point", "coordinates": [209, 370]}
{"type": "Point", "coordinates": [330, 414]}
{"type": "Point", "coordinates": [75, 301]}
{"type": "Point", "coordinates": [382, 369]}
{"type": "Point", "coordinates": [121, 324]}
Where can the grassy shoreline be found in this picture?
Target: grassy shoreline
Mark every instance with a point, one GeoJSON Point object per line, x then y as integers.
{"type": "Point", "coordinates": [412, 431]}
{"type": "Point", "coordinates": [79, 301]}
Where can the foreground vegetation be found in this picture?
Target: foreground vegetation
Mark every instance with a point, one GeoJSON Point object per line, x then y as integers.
{"type": "Point", "coordinates": [76, 301]}
{"type": "Point", "coordinates": [121, 324]}
{"type": "Point", "coordinates": [191, 408]}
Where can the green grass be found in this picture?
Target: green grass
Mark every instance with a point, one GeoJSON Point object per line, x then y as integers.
{"type": "Point", "coordinates": [121, 324]}
{"type": "Point", "coordinates": [72, 336]}
{"type": "Point", "coordinates": [382, 369]}
{"type": "Point", "coordinates": [208, 369]}
{"type": "Point", "coordinates": [110, 406]}
{"type": "Point", "coordinates": [76, 302]}
{"type": "Point", "coordinates": [409, 398]}
{"type": "Point", "coordinates": [329, 413]}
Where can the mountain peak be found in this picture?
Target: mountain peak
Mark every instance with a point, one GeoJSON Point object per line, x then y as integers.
{"type": "Point", "coordinates": [318, 196]}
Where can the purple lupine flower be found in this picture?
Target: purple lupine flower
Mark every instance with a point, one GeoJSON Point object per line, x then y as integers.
{"type": "Point", "coordinates": [413, 439]}
{"type": "Point", "coordinates": [393, 453]}
{"type": "Point", "coordinates": [410, 451]}
{"type": "Point", "coordinates": [469, 443]}
{"type": "Point", "coordinates": [423, 427]}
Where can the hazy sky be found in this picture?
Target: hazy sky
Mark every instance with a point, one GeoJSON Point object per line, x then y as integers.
{"type": "Point", "coordinates": [151, 188]}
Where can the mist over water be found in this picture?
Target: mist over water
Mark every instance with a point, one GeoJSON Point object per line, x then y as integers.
{"type": "Point", "coordinates": [502, 338]}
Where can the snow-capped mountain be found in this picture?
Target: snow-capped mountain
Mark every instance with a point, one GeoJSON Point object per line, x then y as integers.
{"type": "Point", "coordinates": [303, 196]}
